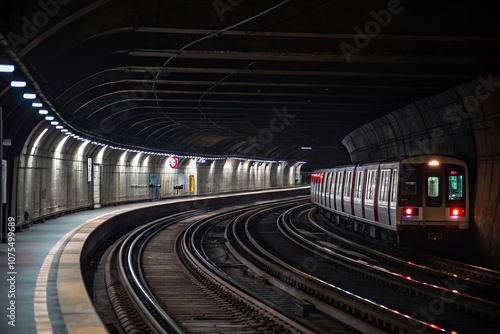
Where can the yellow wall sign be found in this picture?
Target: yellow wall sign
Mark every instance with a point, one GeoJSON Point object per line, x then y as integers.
{"type": "Point", "coordinates": [191, 183]}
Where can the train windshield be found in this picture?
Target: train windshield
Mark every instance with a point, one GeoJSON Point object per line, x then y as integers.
{"type": "Point", "coordinates": [456, 186]}
{"type": "Point", "coordinates": [408, 188]}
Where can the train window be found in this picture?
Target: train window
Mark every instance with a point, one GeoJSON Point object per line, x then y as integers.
{"type": "Point", "coordinates": [408, 188]}
{"type": "Point", "coordinates": [339, 182]}
{"type": "Point", "coordinates": [328, 182]}
{"type": "Point", "coordinates": [384, 185]}
{"type": "Point", "coordinates": [456, 186]}
{"type": "Point", "coordinates": [358, 191]}
{"type": "Point", "coordinates": [394, 185]}
{"type": "Point", "coordinates": [348, 184]}
{"type": "Point", "coordinates": [433, 196]}
{"type": "Point", "coordinates": [370, 185]}
{"type": "Point", "coordinates": [332, 186]}
{"type": "Point", "coordinates": [433, 186]}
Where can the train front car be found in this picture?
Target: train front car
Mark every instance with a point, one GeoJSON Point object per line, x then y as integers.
{"type": "Point", "coordinates": [433, 201]}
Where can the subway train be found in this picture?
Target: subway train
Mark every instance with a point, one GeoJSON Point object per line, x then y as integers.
{"type": "Point", "coordinates": [411, 201]}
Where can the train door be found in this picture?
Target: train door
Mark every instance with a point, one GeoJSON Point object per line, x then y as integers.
{"type": "Point", "coordinates": [323, 188]}
{"type": "Point", "coordinates": [328, 182]}
{"type": "Point", "coordinates": [387, 195]}
{"type": "Point", "coordinates": [347, 197]}
{"type": "Point", "coordinates": [331, 190]}
{"type": "Point", "coordinates": [338, 190]}
{"type": "Point", "coordinates": [313, 187]}
{"type": "Point", "coordinates": [370, 203]}
{"type": "Point", "coordinates": [393, 197]}
{"type": "Point", "coordinates": [433, 194]}
{"type": "Point", "coordinates": [384, 196]}
{"type": "Point", "coordinates": [97, 186]}
{"type": "Point", "coordinates": [358, 193]}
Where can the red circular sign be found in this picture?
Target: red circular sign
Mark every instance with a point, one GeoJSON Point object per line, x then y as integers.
{"type": "Point", "coordinates": [173, 162]}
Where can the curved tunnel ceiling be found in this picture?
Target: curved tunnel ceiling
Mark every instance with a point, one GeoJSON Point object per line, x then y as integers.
{"type": "Point", "coordinates": [251, 78]}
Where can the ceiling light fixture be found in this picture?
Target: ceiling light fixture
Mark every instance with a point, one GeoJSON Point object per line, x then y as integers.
{"type": "Point", "coordinates": [18, 83]}
{"type": "Point", "coordinates": [29, 96]}
{"type": "Point", "coordinates": [7, 68]}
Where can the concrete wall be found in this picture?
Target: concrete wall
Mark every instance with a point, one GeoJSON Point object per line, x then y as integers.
{"type": "Point", "coordinates": [52, 176]}
{"type": "Point", "coordinates": [481, 100]}
{"type": "Point", "coordinates": [463, 122]}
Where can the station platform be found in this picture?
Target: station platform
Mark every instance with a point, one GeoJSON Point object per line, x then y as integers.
{"type": "Point", "coordinates": [36, 271]}
{"type": "Point", "coordinates": [29, 289]}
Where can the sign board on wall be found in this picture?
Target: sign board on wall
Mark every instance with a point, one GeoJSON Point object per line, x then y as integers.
{"type": "Point", "coordinates": [173, 162]}
{"type": "Point", "coordinates": [89, 170]}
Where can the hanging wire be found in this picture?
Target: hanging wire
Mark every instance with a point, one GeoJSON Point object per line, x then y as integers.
{"type": "Point", "coordinates": [215, 34]}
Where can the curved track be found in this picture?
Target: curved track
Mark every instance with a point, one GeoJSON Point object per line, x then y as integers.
{"type": "Point", "coordinates": [170, 286]}
{"type": "Point", "coordinates": [356, 293]}
{"type": "Point", "coordinates": [481, 282]}
{"type": "Point", "coordinates": [271, 268]}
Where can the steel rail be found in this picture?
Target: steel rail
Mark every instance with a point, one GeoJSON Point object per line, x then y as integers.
{"type": "Point", "coordinates": [189, 245]}
{"type": "Point", "coordinates": [453, 266]}
{"type": "Point", "coordinates": [384, 276]}
{"type": "Point", "coordinates": [131, 278]}
{"type": "Point", "coordinates": [353, 310]}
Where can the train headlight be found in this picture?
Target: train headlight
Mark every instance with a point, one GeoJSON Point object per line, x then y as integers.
{"type": "Point", "coordinates": [457, 212]}
{"type": "Point", "coordinates": [409, 212]}
{"type": "Point", "coordinates": [434, 163]}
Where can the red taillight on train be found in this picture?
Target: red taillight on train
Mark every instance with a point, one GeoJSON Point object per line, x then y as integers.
{"type": "Point", "coordinates": [409, 212]}
{"type": "Point", "coordinates": [457, 212]}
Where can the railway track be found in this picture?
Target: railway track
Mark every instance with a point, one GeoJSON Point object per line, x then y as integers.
{"type": "Point", "coordinates": [160, 281]}
{"type": "Point", "coordinates": [136, 307]}
{"type": "Point", "coordinates": [440, 292]}
{"type": "Point", "coordinates": [382, 301]}
{"type": "Point", "coordinates": [480, 282]}
{"type": "Point", "coordinates": [234, 271]}
{"type": "Point", "coordinates": [245, 241]}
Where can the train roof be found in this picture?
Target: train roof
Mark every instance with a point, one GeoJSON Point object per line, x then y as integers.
{"type": "Point", "coordinates": [425, 158]}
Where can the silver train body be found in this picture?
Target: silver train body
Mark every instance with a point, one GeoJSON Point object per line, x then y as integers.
{"type": "Point", "coordinates": [410, 201]}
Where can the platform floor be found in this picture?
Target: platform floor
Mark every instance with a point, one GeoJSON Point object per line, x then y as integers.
{"type": "Point", "coordinates": [31, 248]}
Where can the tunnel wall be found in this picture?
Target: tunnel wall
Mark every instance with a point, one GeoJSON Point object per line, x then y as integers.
{"type": "Point", "coordinates": [463, 122]}
{"type": "Point", "coordinates": [52, 176]}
